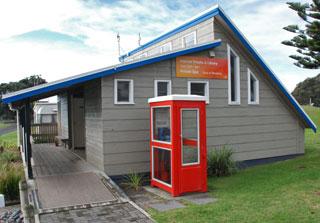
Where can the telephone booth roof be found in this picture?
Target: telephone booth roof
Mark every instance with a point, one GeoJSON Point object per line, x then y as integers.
{"type": "Point", "coordinates": [177, 97]}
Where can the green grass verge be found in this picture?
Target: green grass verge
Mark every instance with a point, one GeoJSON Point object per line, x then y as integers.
{"type": "Point", "coordinates": [3, 125]}
{"type": "Point", "coordinates": [287, 191]}
{"type": "Point", "coordinates": [9, 138]}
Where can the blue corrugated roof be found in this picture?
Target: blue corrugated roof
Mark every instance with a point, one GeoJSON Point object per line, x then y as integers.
{"type": "Point", "coordinates": [20, 95]}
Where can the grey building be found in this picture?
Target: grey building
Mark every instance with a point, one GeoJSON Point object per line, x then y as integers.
{"type": "Point", "coordinates": [45, 112]}
{"type": "Point", "coordinates": [106, 111]}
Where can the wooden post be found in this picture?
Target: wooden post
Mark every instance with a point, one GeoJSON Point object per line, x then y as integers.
{"type": "Point", "coordinates": [27, 134]}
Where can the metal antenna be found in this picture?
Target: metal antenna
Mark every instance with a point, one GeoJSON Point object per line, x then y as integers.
{"type": "Point", "coordinates": [139, 40]}
{"type": "Point", "coordinates": [118, 38]}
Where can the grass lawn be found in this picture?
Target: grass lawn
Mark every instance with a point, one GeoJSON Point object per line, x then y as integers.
{"type": "Point", "coordinates": [3, 125]}
{"type": "Point", "coordinates": [9, 138]}
{"type": "Point", "coordinates": [287, 191]}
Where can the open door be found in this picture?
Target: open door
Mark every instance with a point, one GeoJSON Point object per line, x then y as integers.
{"type": "Point", "coordinates": [78, 122]}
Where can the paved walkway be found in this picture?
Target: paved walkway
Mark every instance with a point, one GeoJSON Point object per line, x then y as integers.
{"type": "Point", "coordinates": [71, 190]}
{"type": "Point", "coordinates": [117, 213]}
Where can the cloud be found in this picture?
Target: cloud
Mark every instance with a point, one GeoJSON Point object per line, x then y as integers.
{"type": "Point", "coordinates": [61, 38]}
{"type": "Point", "coordinates": [262, 23]}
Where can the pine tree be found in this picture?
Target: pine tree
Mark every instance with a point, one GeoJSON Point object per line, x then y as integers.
{"type": "Point", "coordinates": [307, 40]}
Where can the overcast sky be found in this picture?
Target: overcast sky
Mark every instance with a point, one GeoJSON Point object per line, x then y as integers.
{"type": "Point", "coordinates": [66, 37]}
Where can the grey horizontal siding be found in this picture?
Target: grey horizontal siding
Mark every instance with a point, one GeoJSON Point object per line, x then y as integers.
{"type": "Point", "coordinates": [253, 131]}
{"type": "Point", "coordinates": [94, 124]}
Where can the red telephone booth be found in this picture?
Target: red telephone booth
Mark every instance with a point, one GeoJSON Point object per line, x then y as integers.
{"type": "Point", "coordinates": [178, 150]}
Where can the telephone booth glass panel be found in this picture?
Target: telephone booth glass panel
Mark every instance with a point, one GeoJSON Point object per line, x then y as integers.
{"type": "Point", "coordinates": [162, 165]}
{"type": "Point", "coordinates": [161, 124]}
{"type": "Point", "coordinates": [190, 136]}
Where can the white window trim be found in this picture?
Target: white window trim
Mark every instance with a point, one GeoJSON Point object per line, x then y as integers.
{"type": "Point", "coordinates": [237, 73]}
{"type": "Point", "coordinates": [170, 47]}
{"type": "Point", "coordinates": [131, 92]}
{"type": "Point", "coordinates": [198, 129]}
{"type": "Point", "coordinates": [194, 33]}
{"type": "Point", "coordinates": [206, 89]}
{"type": "Point", "coordinates": [256, 102]}
{"type": "Point", "coordinates": [156, 86]}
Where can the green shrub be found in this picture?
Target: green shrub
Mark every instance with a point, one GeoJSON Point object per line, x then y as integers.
{"type": "Point", "coordinates": [10, 175]}
{"type": "Point", "coordinates": [220, 162]}
{"type": "Point", "coordinates": [134, 181]}
{"type": "Point", "coordinates": [9, 156]}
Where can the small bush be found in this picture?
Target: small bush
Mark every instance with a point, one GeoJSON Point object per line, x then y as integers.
{"type": "Point", "coordinates": [134, 181]}
{"type": "Point", "coordinates": [10, 175]}
{"type": "Point", "coordinates": [9, 156]}
{"type": "Point", "coordinates": [220, 162]}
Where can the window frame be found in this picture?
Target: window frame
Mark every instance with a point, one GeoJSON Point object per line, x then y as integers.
{"type": "Point", "coordinates": [194, 33]}
{"type": "Point", "coordinates": [207, 89]}
{"type": "Point", "coordinates": [181, 139]}
{"type": "Point", "coordinates": [152, 165]}
{"type": "Point", "coordinates": [143, 55]}
{"type": "Point", "coordinates": [163, 45]}
{"type": "Point", "coordinates": [131, 92]}
{"type": "Point", "coordinates": [256, 102]}
{"type": "Point", "coordinates": [169, 89]}
{"type": "Point", "coordinates": [237, 73]}
{"type": "Point", "coordinates": [152, 124]}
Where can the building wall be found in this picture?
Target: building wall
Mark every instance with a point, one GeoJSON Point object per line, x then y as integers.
{"type": "Point", "coordinates": [253, 131]}
{"type": "Point", "coordinates": [204, 33]}
{"type": "Point", "coordinates": [63, 114]}
{"type": "Point", "coordinates": [93, 124]}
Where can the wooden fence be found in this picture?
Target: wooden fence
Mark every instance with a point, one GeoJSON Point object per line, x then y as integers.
{"type": "Point", "coordinates": [44, 132]}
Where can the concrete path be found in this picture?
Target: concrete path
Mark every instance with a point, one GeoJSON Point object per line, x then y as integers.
{"type": "Point", "coordinates": [70, 190]}
{"type": "Point", "coordinates": [117, 213]}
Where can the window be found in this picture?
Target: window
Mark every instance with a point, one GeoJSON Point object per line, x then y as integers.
{"type": "Point", "coordinates": [199, 88]}
{"type": "Point", "coordinates": [161, 165]}
{"type": "Point", "coordinates": [190, 136]}
{"type": "Point", "coordinates": [189, 40]}
{"type": "Point", "coordinates": [162, 87]}
{"type": "Point", "coordinates": [233, 77]}
{"type": "Point", "coordinates": [253, 88]}
{"type": "Point", "coordinates": [154, 51]}
{"type": "Point", "coordinates": [166, 47]}
{"type": "Point", "coordinates": [161, 124]}
{"type": "Point", "coordinates": [143, 55]}
{"type": "Point", "coordinates": [123, 91]}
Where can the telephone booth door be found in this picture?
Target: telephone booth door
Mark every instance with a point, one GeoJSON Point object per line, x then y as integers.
{"type": "Point", "coordinates": [161, 147]}
{"type": "Point", "coordinates": [192, 147]}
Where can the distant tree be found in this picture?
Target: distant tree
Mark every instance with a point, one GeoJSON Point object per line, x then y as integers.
{"type": "Point", "coordinates": [5, 112]}
{"type": "Point", "coordinates": [308, 89]}
{"type": "Point", "coordinates": [307, 40]}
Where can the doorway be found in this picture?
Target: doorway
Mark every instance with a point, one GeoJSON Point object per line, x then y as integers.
{"type": "Point", "coordinates": [78, 124]}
